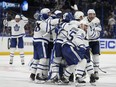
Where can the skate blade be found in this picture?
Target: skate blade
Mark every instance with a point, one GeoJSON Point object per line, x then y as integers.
{"type": "Point", "coordinates": [31, 80]}
{"type": "Point", "coordinates": [61, 83]}
{"type": "Point", "coordinates": [10, 63]}
{"type": "Point", "coordinates": [93, 84]}
{"type": "Point", "coordinates": [39, 82]}
{"type": "Point", "coordinates": [23, 63]}
{"type": "Point", "coordinates": [80, 84]}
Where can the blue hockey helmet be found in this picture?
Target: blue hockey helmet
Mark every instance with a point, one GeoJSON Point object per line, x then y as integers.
{"type": "Point", "coordinates": [67, 17]}
{"type": "Point", "coordinates": [44, 16]}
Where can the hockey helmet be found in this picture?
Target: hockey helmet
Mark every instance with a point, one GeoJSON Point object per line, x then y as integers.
{"type": "Point", "coordinates": [68, 17]}
{"type": "Point", "coordinates": [78, 14]}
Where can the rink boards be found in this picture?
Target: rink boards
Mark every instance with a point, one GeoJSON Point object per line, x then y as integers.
{"type": "Point", "coordinates": [108, 46]}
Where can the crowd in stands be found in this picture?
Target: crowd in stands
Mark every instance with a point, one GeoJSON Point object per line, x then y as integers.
{"type": "Point", "coordinates": [105, 10]}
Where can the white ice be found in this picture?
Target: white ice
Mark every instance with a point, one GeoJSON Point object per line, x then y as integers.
{"type": "Point", "coordinates": [17, 75]}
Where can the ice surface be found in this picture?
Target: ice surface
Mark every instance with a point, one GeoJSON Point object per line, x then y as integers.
{"type": "Point", "coordinates": [17, 75]}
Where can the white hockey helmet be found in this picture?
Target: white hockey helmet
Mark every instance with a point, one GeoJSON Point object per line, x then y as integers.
{"type": "Point", "coordinates": [45, 11]}
{"type": "Point", "coordinates": [17, 16]}
{"type": "Point", "coordinates": [78, 14]}
{"type": "Point", "coordinates": [57, 12]}
{"type": "Point", "coordinates": [91, 11]}
{"type": "Point", "coordinates": [84, 22]}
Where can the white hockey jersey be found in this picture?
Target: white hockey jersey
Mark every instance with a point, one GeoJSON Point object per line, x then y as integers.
{"type": "Point", "coordinates": [42, 28]}
{"type": "Point", "coordinates": [76, 37]}
{"type": "Point", "coordinates": [72, 35]}
{"type": "Point", "coordinates": [66, 27]}
{"type": "Point", "coordinates": [17, 28]}
{"type": "Point", "coordinates": [93, 32]}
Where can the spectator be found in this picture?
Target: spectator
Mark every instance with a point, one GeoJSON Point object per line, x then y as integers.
{"type": "Point", "coordinates": [114, 12]}
{"type": "Point", "coordinates": [114, 31]}
{"type": "Point", "coordinates": [111, 21]}
{"type": "Point", "coordinates": [107, 33]}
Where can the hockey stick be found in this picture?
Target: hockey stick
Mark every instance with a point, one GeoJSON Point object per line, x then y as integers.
{"type": "Point", "coordinates": [6, 24]}
{"type": "Point", "coordinates": [85, 55]}
{"type": "Point", "coordinates": [48, 32]}
{"type": "Point", "coordinates": [52, 57]}
{"type": "Point", "coordinates": [21, 16]}
{"type": "Point", "coordinates": [98, 67]}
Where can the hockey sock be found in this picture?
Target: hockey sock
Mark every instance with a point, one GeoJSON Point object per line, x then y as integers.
{"type": "Point", "coordinates": [12, 50]}
{"type": "Point", "coordinates": [68, 71]}
{"type": "Point", "coordinates": [22, 55]}
{"type": "Point", "coordinates": [34, 66]}
{"type": "Point", "coordinates": [55, 67]}
{"type": "Point", "coordinates": [89, 68]}
{"type": "Point", "coordinates": [45, 72]}
{"type": "Point", "coordinates": [80, 68]}
{"type": "Point", "coordinates": [96, 62]}
{"type": "Point", "coordinates": [42, 67]}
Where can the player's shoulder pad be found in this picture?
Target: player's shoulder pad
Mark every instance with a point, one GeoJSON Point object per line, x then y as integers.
{"type": "Point", "coordinates": [81, 30]}
{"type": "Point", "coordinates": [74, 22]}
{"type": "Point", "coordinates": [13, 21]}
{"type": "Point", "coordinates": [95, 20]}
{"type": "Point", "coordinates": [85, 18]}
{"type": "Point", "coordinates": [38, 22]}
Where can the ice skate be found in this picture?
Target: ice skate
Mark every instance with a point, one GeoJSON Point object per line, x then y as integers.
{"type": "Point", "coordinates": [32, 77]}
{"type": "Point", "coordinates": [63, 81]}
{"type": "Point", "coordinates": [92, 80]}
{"type": "Point", "coordinates": [79, 82]}
{"type": "Point", "coordinates": [39, 80]}
{"type": "Point", "coordinates": [96, 75]}
{"type": "Point", "coordinates": [11, 61]}
{"type": "Point", "coordinates": [55, 79]}
{"type": "Point", "coordinates": [22, 61]}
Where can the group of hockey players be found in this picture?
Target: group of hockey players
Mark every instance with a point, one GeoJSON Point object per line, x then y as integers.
{"type": "Point", "coordinates": [63, 44]}
{"type": "Point", "coordinates": [63, 47]}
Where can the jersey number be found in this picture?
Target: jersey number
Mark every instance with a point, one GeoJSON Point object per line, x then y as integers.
{"type": "Point", "coordinates": [37, 28]}
{"type": "Point", "coordinates": [71, 34]}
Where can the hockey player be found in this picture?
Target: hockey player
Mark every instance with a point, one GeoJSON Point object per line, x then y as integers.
{"type": "Point", "coordinates": [17, 33]}
{"type": "Point", "coordinates": [73, 51]}
{"type": "Point", "coordinates": [35, 60]}
{"type": "Point", "coordinates": [89, 67]}
{"type": "Point", "coordinates": [93, 35]}
{"type": "Point", "coordinates": [57, 54]}
{"type": "Point", "coordinates": [78, 15]}
{"type": "Point", "coordinates": [40, 42]}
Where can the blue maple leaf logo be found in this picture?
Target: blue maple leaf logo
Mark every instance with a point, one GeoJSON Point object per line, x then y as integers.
{"type": "Point", "coordinates": [16, 27]}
